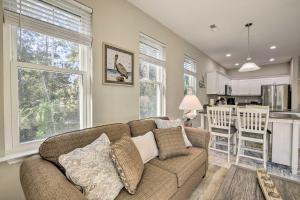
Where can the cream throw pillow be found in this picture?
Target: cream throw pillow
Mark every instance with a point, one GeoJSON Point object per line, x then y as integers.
{"type": "Point", "coordinates": [92, 168]}
{"type": "Point", "coordinates": [146, 146]}
{"type": "Point", "coordinates": [172, 124]}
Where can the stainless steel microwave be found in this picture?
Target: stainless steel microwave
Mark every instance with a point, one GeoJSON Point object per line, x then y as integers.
{"type": "Point", "coordinates": [228, 90]}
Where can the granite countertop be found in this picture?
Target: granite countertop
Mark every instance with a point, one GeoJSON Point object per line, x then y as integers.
{"type": "Point", "coordinates": [288, 115]}
{"type": "Point", "coordinates": [277, 115]}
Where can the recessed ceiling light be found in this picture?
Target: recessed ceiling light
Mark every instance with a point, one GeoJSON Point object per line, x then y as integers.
{"type": "Point", "coordinates": [228, 55]}
{"type": "Point", "coordinates": [236, 64]}
{"type": "Point", "coordinates": [273, 47]}
{"type": "Point", "coordinates": [272, 60]}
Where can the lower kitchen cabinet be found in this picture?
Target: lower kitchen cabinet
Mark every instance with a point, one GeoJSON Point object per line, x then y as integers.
{"type": "Point", "coordinates": [282, 143]}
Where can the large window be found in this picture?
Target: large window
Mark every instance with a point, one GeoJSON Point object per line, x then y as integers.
{"type": "Point", "coordinates": [49, 71]}
{"type": "Point", "coordinates": [152, 77]}
{"type": "Point", "coordinates": [190, 81]}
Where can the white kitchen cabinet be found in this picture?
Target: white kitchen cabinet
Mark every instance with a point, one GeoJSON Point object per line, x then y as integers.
{"type": "Point", "coordinates": [241, 87]}
{"type": "Point", "coordinates": [235, 85]}
{"type": "Point", "coordinates": [216, 83]}
{"type": "Point", "coordinates": [275, 80]}
{"type": "Point", "coordinates": [282, 143]}
{"type": "Point", "coordinates": [246, 87]}
{"type": "Point", "coordinates": [255, 87]}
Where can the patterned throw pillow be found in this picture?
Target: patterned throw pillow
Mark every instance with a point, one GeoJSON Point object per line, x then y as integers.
{"type": "Point", "coordinates": [92, 168]}
{"type": "Point", "coordinates": [172, 124]}
{"type": "Point", "coordinates": [128, 163]}
{"type": "Point", "coordinates": [170, 142]}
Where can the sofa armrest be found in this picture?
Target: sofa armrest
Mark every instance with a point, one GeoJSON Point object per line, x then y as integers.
{"type": "Point", "coordinates": [198, 137]}
{"type": "Point", "coordinates": [41, 179]}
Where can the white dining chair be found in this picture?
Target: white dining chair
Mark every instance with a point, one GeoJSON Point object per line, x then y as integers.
{"type": "Point", "coordinates": [252, 127]}
{"type": "Point", "coordinates": [220, 125]}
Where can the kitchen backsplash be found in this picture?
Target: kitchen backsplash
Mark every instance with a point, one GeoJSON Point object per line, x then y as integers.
{"type": "Point", "coordinates": [239, 99]}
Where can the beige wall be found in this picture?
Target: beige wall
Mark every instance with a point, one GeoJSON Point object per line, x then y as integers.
{"type": "Point", "coordinates": [1, 84]}
{"type": "Point", "coordinates": [10, 187]}
{"type": "Point", "coordinates": [119, 23]}
{"type": "Point", "coordinates": [266, 70]}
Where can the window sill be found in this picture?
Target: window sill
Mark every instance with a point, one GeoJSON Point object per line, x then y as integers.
{"type": "Point", "coordinates": [17, 157]}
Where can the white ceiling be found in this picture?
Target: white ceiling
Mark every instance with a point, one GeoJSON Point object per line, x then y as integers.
{"type": "Point", "coordinates": [276, 22]}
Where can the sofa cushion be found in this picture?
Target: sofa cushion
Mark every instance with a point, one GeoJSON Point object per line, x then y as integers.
{"type": "Point", "coordinates": [160, 123]}
{"type": "Point", "coordinates": [64, 143]}
{"type": "Point", "coordinates": [183, 166]}
{"type": "Point", "coordinates": [128, 162]}
{"type": "Point", "coordinates": [156, 183]}
{"type": "Point", "coordinates": [170, 142]}
{"type": "Point", "coordinates": [143, 126]}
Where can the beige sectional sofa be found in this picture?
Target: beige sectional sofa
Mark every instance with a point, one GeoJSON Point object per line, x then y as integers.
{"type": "Point", "coordinates": [42, 177]}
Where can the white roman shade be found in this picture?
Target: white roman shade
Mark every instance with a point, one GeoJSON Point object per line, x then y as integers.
{"type": "Point", "coordinates": [66, 19]}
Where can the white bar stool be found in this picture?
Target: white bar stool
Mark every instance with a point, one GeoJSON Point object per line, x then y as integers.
{"type": "Point", "coordinates": [220, 125]}
{"type": "Point", "coordinates": [252, 126]}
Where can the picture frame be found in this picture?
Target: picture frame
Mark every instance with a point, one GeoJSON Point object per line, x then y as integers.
{"type": "Point", "coordinates": [118, 65]}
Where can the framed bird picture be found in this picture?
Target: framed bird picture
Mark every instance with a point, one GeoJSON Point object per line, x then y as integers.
{"type": "Point", "coordinates": [118, 66]}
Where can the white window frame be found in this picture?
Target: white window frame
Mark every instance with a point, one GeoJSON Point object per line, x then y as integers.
{"type": "Point", "coordinates": [160, 62]}
{"type": "Point", "coordinates": [11, 121]}
{"type": "Point", "coordinates": [192, 72]}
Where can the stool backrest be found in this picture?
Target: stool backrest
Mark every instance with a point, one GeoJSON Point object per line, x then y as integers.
{"type": "Point", "coordinates": [254, 120]}
{"type": "Point", "coordinates": [219, 117]}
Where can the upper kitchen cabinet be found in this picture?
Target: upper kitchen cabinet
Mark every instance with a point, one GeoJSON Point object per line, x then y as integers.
{"type": "Point", "coordinates": [275, 80]}
{"type": "Point", "coordinates": [216, 83]}
{"type": "Point", "coordinates": [246, 87]}
{"type": "Point", "coordinates": [241, 87]}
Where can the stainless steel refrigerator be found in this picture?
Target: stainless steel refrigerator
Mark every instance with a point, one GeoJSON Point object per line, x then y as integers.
{"type": "Point", "coordinates": [278, 97]}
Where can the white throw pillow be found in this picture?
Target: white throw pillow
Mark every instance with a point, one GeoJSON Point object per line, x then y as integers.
{"type": "Point", "coordinates": [171, 124]}
{"type": "Point", "coordinates": [146, 146]}
{"type": "Point", "coordinates": [92, 168]}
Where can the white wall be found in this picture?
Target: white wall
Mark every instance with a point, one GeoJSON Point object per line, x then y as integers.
{"type": "Point", "coordinates": [266, 70]}
{"type": "Point", "coordinates": [119, 23]}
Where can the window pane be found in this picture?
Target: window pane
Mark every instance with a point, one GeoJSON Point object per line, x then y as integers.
{"type": "Point", "coordinates": [189, 84]}
{"type": "Point", "coordinates": [149, 71]}
{"type": "Point", "coordinates": [144, 70]}
{"type": "Point", "coordinates": [49, 103]}
{"type": "Point", "coordinates": [150, 101]}
{"type": "Point", "coordinates": [37, 48]}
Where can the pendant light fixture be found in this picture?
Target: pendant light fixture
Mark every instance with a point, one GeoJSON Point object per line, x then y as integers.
{"type": "Point", "coordinates": [249, 66]}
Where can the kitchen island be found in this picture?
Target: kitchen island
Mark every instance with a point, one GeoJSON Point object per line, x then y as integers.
{"type": "Point", "coordinates": [285, 127]}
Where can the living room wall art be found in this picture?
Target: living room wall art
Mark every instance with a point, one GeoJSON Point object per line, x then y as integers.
{"type": "Point", "coordinates": [118, 66]}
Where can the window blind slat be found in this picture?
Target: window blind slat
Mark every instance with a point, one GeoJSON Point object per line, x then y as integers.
{"type": "Point", "coordinates": [64, 19]}
{"type": "Point", "coordinates": [152, 60]}
{"type": "Point", "coordinates": [47, 29]}
{"type": "Point", "coordinates": [189, 64]}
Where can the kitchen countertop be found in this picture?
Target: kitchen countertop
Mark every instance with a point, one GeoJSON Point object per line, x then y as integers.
{"type": "Point", "coordinates": [288, 115]}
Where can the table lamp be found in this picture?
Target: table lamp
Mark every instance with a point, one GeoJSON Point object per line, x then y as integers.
{"type": "Point", "coordinates": [189, 104]}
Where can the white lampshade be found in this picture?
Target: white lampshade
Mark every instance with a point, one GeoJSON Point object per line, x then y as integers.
{"type": "Point", "coordinates": [248, 67]}
{"type": "Point", "coordinates": [190, 102]}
